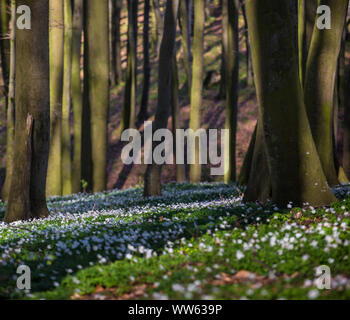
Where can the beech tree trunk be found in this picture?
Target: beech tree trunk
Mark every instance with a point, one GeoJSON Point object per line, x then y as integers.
{"type": "Point", "coordinates": [77, 97]}
{"type": "Point", "coordinates": [10, 118]}
{"type": "Point", "coordinates": [143, 114]}
{"type": "Point", "coordinates": [54, 174]}
{"type": "Point", "coordinates": [294, 166]}
{"type": "Point", "coordinates": [320, 85]}
{"type": "Point", "coordinates": [32, 131]}
{"type": "Point", "coordinates": [97, 75]}
{"type": "Point", "coordinates": [66, 101]}
{"type": "Point", "coordinates": [231, 52]}
{"type": "Point", "coordinates": [152, 185]}
{"type": "Point", "coordinates": [129, 106]}
{"type": "Point", "coordinates": [197, 82]}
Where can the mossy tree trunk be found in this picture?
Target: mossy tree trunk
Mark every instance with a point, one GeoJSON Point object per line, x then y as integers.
{"type": "Point", "coordinates": [152, 185]}
{"type": "Point", "coordinates": [320, 85]}
{"type": "Point", "coordinates": [143, 114]}
{"type": "Point", "coordinates": [77, 97]}
{"type": "Point", "coordinates": [66, 168]}
{"type": "Point", "coordinates": [197, 82]}
{"type": "Point", "coordinates": [307, 10]}
{"type": "Point", "coordinates": [294, 166]}
{"type": "Point", "coordinates": [54, 174]}
{"type": "Point", "coordinates": [28, 183]}
{"type": "Point", "coordinates": [129, 105]}
{"type": "Point", "coordinates": [231, 52]}
{"type": "Point", "coordinates": [10, 118]}
{"type": "Point", "coordinates": [97, 74]}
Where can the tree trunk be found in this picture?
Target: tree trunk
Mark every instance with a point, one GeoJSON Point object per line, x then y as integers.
{"type": "Point", "coordinates": [259, 181]}
{"type": "Point", "coordinates": [28, 183]}
{"type": "Point", "coordinates": [86, 148]}
{"type": "Point", "coordinates": [175, 109]}
{"type": "Point", "coordinates": [54, 175]}
{"type": "Point", "coordinates": [129, 107]}
{"type": "Point", "coordinates": [10, 120]}
{"type": "Point", "coordinates": [66, 101]}
{"type": "Point", "coordinates": [4, 41]}
{"type": "Point", "coordinates": [153, 172]}
{"type": "Point", "coordinates": [77, 97]}
{"type": "Point", "coordinates": [98, 78]}
{"type": "Point", "coordinates": [320, 85]}
{"type": "Point", "coordinates": [294, 166]}
{"type": "Point", "coordinates": [247, 45]}
{"type": "Point", "coordinates": [247, 162]}
{"type": "Point", "coordinates": [186, 40]}
{"type": "Point", "coordinates": [197, 82]}
{"type": "Point", "coordinates": [116, 67]}
{"type": "Point", "coordinates": [307, 10]}
{"type": "Point", "coordinates": [143, 114]}
{"type": "Point", "coordinates": [158, 20]}
{"type": "Point", "coordinates": [231, 51]}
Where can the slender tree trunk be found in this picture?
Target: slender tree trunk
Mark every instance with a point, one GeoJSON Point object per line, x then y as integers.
{"type": "Point", "coordinates": [197, 82]}
{"type": "Point", "coordinates": [66, 101]}
{"type": "Point", "coordinates": [306, 21]}
{"type": "Point", "coordinates": [98, 77]}
{"type": "Point", "coordinates": [54, 175]}
{"type": "Point", "coordinates": [175, 110]}
{"type": "Point", "coordinates": [116, 67]}
{"type": "Point", "coordinates": [294, 166]}
{"type": "Point", "coordinates": [4, 41]}
{"type": "Point", "coordinates": [231, 51]}
{"type": "Point", "coordinates": [77, 97]}
{"type": "Point", "coordinates": [86, 148]}
{"type": "Point", "coordinates": [143, 114]}
{"type": "Point", "coordinates": [320, 85]}
{"type": "Point", "coordinates": [10, 121]}
{"type": "Point", "coordinates": [248, 57]}
{"type": "Point", "coordinates": [186, 40]}
{"type": "Point", "coordinates": [158, 19]}
{"type": "Point", "coordinates": [129, 107]}
{"type": "Point", "coordinates": [153, 172]}
{"type": "Point", "coordinates": [27, 192]}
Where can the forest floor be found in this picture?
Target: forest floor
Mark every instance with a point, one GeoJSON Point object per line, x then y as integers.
{"type": "Point", "coordinates": [212, 114]}
{"type": "Point", "coordinates": [194, 242]}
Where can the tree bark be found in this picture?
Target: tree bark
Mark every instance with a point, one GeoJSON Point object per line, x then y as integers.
{"type": "Point", "coordinates": [10, 119]}
{"type": "Point", "coordinates": [77, 97]}
{"type": "Point", "coordinates": [175, 109]}
{"type": "Point", "coordinates": [28, 183]}
{"type": "Point", "coordinates": [152, 185]}
{"type": "Point", "coordinates": [143, 114]}
{"type": "Point", "coordinates": [197, 82]}
{"type": "Point", "coordinates": [294, 166]}
{"type": "Point", "coordinates": [66, 101]}
{"type": "Point", "coordinates": [4, 41]}
{"type": "Point", "coordinates": [129, 107]}
{"type": "Point", "coordinates": [320, 85]}
{"type": "Point", "coordinates": [186, 40]}
{"type": "Point", "coordinates": [98, 78]}
{"type": "Point", "coordinates": [231, 52]}
{"type": "Point", "coordinates": [54, 174]}
{"type": "Point", "coordinates": [306, 20]}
